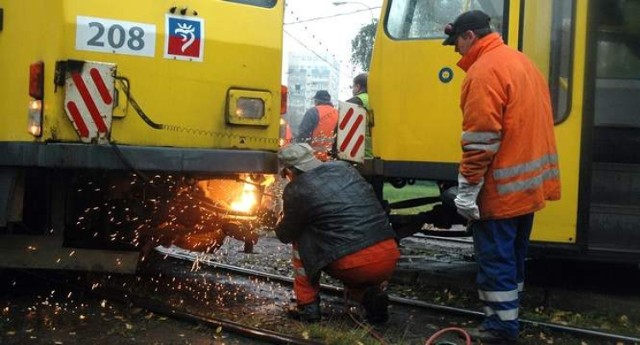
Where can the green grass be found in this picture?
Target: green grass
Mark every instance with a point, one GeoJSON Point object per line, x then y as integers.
{"type": "Point", "coordinates": [420, 189]}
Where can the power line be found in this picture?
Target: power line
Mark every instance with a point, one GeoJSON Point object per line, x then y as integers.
{"type": "Point", "coordinates": [331, 16]}
{"type": "Point", "coordinates": [331, 65]}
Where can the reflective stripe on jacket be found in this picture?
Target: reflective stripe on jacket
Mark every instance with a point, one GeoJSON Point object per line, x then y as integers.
{"type": "Point", "coordinates": [323, 135]}
{"type": "Point", "coordinates": [507, 140]}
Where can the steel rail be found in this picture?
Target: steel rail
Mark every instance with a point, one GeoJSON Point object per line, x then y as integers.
{"type": "Point", "coordinates": [231, 326]}
{"type": "Point", "coordinates": [415, 303]}
{"type": "Point", "coordinates": [163, 309]}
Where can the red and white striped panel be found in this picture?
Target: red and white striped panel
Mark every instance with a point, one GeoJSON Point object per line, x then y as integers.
{"type": "Point", "coordinates": [350, 134]}
{"type": "Point", "coordinates": [89, 99]}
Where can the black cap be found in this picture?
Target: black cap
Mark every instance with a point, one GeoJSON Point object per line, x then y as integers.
{"type": "Point", "coordinates": [471, 20]}
{"type": "Point", "coordinates": [323, 96]}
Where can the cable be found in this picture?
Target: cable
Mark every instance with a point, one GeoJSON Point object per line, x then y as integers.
{"type": "Point", "coordinates": [128, 164]}
{"type": "Point", "coordinates": [317, 54]}
{"type": "Point", "coordinates": [439, 333]}
{"type": "Point", "coordinates": [126, 85]}
{"type": "Point", "coordinates": [328, 17]}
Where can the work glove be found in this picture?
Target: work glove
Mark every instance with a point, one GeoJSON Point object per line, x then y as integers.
{"type": "Point", "coordinates": [466, 198]}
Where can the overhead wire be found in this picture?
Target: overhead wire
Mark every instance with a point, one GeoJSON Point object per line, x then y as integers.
{"type": "Point", "coordinates": [331, 65]}
{"type": "Point", "coordinates": [331, 16]}
{"type": "Point", "coordinates": [313, 36]}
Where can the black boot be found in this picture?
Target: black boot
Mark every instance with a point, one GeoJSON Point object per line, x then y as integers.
{"type": "Point", "coordinates": [376, 304]}
{"type": "Point", "coordinates": [489, 336]}
{"type": "Point", "coordinates": [307, 312]}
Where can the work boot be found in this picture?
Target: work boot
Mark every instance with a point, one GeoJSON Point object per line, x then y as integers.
{"type": "Point", "coordinates": [482, 335]}
{"type": "Point", "coordinates": [306, 313]}
{"type": "Point", "coordinates": [376, 304]}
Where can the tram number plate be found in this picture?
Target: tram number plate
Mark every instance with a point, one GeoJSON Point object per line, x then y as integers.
{"type": "Point", "coordinates": [115, 36]}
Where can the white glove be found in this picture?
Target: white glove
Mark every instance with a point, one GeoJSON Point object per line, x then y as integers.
{"type": "Point", "coordinates": [466, 198]}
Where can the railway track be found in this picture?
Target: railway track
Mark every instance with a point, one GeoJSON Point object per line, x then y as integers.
{"type": "Point", "coordinates": [411, 303]}
{"type": "Point", "coordinates": [411, 316]}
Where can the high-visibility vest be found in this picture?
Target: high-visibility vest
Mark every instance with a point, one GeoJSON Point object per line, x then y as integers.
{"type": "Point", "coordinates": [323, 135]}
{"type": "Point", "coordinates": [368, 146]}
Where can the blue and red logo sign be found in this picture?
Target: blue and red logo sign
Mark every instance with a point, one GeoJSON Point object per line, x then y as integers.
{"type": "Point", "coordinates": [184, 38]}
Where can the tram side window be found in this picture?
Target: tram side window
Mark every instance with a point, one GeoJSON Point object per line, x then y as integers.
{"type": "Point", "coordinates": [546, 39]}
{"type": "Point", "coordinates": [618, 64]}
{"type": "Point", "coordinates": [426, 19]}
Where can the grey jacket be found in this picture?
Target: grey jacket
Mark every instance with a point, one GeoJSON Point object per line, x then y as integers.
{"type": "Point", "coordinates": [331, 212]}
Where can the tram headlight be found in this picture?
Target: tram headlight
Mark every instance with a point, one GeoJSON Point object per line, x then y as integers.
{"type": "Point", "coordinates": [250, 108]}
{"type": "Point", "coordinates": [247, 107]}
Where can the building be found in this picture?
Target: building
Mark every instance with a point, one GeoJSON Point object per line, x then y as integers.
{"type": "Point", "coordinates": [308, 73]}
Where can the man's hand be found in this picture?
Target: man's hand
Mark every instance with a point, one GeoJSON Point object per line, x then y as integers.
{"type": "Point", "coordinates": [466, 198]}
{"type": "Point", "coordinates": [467, 208]}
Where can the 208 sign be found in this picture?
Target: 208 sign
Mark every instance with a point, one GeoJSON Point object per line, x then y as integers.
{"type": "Point", "coordinates": [116, 36]}
{"type": "Point", "coordinates": [113, 36]}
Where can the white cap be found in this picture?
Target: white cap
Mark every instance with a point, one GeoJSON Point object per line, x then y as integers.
{"type": "Point", "coordinates": [299, 156]}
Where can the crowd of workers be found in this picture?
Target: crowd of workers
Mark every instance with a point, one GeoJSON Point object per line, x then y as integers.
{"type": "Point", "coordinates": [509, 169]}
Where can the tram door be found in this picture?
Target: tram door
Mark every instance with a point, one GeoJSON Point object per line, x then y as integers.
{"type": "Point", "coordinates": [548, 36]}
{"type": "Point", "coordinates": [612, 122]}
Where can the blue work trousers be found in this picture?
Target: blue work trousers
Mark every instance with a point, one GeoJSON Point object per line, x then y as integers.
{"type": "Point", "coordinates": [501, 247]}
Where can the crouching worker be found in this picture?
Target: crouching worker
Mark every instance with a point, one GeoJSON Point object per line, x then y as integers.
{"type": "Point", "coordinates": [336, 225]}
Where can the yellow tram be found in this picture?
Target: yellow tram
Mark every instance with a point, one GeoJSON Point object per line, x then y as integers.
{"type": "Point", "coordinates": [120, 117]}
{"type": "Point", "coordinates": [590, 53]}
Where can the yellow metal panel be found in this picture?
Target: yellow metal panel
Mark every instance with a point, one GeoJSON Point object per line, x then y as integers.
{"type": "Point", "coordinates": [242, 49]}
{"type": "Point", "coordinates": [24, 22]}
{"type": "Point", "coordinates": [417, 116]}
{"type": "Point", "coordinates": [514, 23]}
{"type": "Point", "coordinates": [234, 112]}
{"type": "Point", "coordinates": [558, 221]}
{"type": "Point", "coordinates": [537, 33]}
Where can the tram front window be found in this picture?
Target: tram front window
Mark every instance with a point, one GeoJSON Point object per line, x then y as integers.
{"type": "Point", "coordinates": [422, 19]}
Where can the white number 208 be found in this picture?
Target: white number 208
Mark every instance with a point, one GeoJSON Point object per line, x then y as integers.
{"type": "Point", "coordinates": [115, 36]}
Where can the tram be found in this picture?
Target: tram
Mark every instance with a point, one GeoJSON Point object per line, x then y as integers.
{"type": "Point", "coordinates": [129, 124]}
{"type": "Point", "coordinates": [590, 53]}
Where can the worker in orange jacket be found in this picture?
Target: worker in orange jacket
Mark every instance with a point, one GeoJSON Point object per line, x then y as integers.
{"type": "Point", "coordinates": [318, 126]}
{"type": "Point", "coordinates": [509, 166]}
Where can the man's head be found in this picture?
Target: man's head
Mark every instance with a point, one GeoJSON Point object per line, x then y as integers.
{"type": "Point", "coordinates": [359, 84]}
{"type": "Point", "coordinates": [466, 30]}
{"type": "Point", "coordinates": [322, 96]}
{"type": "Point", "coordinates": [298, 157]}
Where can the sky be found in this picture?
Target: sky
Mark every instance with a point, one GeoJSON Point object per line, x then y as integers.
{"type": "Point", "coordinates": [323, 27]}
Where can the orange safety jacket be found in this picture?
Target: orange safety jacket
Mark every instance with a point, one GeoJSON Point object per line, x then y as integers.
{"type": "Point", "coordinates": [507, 140]}
{"type": "Point", "coordinates": [323, 135]}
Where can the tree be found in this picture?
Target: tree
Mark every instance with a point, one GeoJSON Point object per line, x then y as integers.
{"type": "Point", "coordinates": [362, 45]}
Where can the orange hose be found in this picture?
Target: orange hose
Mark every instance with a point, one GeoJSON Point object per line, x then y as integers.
{"type": "Point", "coordinates": [446, 330]}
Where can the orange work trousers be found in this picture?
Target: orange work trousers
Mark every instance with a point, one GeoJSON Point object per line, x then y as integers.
{"type": "Point", "coordinates": [366, 268]}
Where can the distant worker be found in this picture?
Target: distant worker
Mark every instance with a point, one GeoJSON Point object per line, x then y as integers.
{"type": "Point", "coordinates": [318, 125]}
{"type": "Point", "coordinates": [336, 225]}
{"type": "Point", "coordinates": [509, 166]}
{"type": "Point", "coordinates": [361, 97]}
